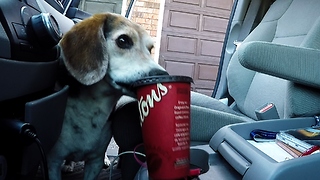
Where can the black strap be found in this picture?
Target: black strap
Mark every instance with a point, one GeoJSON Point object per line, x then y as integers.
{"type": "Point", "coordinates": [249, 19]}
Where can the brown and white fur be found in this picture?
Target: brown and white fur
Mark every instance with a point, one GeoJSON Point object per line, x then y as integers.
{"type": "Point", "coordinates": [102, 54]}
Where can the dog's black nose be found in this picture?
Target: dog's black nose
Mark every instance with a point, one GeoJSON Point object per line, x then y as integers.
{"type": "Point", "coordinates": [156, 72]}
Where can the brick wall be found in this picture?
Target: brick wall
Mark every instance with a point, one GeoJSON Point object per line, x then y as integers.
{"type": "Point", "coordinates": [146, 13]}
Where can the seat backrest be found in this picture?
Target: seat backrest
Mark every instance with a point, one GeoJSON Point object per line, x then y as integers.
{"type": "Point", "coordinates": [289, 22]}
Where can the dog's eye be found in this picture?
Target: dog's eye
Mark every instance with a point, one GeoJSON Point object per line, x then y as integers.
{"type": "Point", "coordinates": [124, 42]}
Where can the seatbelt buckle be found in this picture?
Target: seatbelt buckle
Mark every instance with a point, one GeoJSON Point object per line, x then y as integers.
{"type": "Point", "coordinates": [267, 111]}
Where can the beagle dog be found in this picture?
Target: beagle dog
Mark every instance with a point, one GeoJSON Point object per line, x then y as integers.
{"type": "Point", "coordinates": [102, 56]}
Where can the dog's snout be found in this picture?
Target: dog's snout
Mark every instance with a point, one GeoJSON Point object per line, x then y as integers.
{"type": "Point", "coordinates": [156, 72]}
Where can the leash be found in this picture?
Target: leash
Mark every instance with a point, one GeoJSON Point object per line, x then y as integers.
{"type": "Point", "coordinates": [260, 135]}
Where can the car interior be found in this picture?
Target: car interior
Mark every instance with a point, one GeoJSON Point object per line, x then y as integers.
{"type": "Point", "coordinates": [268, 79]}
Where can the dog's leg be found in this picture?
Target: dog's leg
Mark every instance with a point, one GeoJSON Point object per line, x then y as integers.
{"type": "Point", "coordinates": [54, 166]}
{"type": "Point", "coordinates": [94, 163]}
{"type": "Point", "coordinates": [92, 168]}
{"type": "Point", "coordinates": [55, 160]}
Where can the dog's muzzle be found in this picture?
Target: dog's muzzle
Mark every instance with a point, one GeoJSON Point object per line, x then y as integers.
{"type": "Point", "coordinates": [157, 72]}
{"type": "Point", "coordinates": [127, 88]}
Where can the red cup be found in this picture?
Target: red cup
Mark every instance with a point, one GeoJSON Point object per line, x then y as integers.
{"type": "Point", "coordinates": [164, 105]}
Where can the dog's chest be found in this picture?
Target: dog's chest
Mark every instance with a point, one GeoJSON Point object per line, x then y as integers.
{"type": "Point", "coordinates": [86, 127]}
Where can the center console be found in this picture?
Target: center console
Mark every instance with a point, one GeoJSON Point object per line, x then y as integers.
{"type": "Point", "coordinates": [233, 157]}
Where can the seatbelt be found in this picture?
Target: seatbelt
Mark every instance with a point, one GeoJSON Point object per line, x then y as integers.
{"type": "Point", "coordinates": [249, 19]}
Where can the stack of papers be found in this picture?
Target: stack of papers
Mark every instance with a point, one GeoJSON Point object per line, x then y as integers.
{"type": "Point", "coordinates": [272, 149]}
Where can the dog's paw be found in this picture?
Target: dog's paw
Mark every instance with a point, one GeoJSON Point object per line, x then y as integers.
{"type": "Point", "coordinates": [107, 160]}
{"type": "Point", "coordinates": [71, 166]}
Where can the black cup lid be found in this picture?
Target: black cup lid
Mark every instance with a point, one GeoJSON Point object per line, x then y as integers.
{"type": "Point", "coordinates": [163, 78]}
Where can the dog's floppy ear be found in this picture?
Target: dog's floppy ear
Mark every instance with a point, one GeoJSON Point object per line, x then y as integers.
{"type": "Point", "coordinates": [84, 50]}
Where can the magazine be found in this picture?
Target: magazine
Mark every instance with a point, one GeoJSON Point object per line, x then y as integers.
{"type": "Point", "coordinates": [294, 145]}
{"type": "Point", "coordinates": [292, 151]}
{"type": "Point", "coordinates": [310, 135]}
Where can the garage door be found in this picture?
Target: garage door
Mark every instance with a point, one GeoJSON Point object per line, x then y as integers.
{"type": "Point", "coordinates": [192, 38]}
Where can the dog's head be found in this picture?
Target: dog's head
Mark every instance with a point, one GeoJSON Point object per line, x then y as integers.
{"type": "Point", "coordinates": [108, 46]}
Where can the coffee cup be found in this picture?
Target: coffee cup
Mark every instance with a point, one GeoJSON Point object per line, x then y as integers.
{"type": "Point", "coordinates": [164, 106]}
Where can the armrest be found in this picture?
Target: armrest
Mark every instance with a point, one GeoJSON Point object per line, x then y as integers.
{"type": "Point", "coordinates": [297, 64]}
